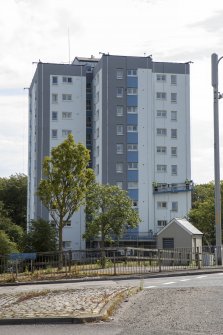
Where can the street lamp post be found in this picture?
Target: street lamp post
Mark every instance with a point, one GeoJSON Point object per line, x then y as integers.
{"type": "Point", "coordinates": [214, 64]}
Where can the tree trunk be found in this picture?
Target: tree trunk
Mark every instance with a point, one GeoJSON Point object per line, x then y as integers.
{"type": "Point", "coordinates": [60, 235]}
{"type": "Point", "coordinates": [103, 255]}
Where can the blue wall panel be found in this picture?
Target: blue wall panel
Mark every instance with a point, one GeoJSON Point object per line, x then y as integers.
{"type": "Point", "coordinates": [132, 156]}
{"type": "Point", "coordinates": [132, 100]}
{"type": "Point", "coordinates": [133, 175]}
{"type": "Point", "coordinates": [133, 194]}
{"type": "Point", "coordinates": [132, 82]}
{"type": "Point", "coordinates": [132, 119]}
{"type": "Point", "coordinates": [132, 137]}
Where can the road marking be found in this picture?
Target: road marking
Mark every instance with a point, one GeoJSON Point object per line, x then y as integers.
{"type": "Point", "coordinates": [169, 283]}
{"type": "Point", "coordinates": [186, 279]}
{"type": "Point", "coordinates": [199, 277]}
{"type": "Point", "coordinates": [150, 286]}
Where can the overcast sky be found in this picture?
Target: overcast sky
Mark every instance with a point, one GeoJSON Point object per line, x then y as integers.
{"type": "Point", "coordinates": [170, 30]}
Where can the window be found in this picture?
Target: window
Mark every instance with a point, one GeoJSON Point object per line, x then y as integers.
{"type": "Point", "coordinates": [161, 77]}
{"type": "Point", "coordinates": [132, 147]}
{"type": "Point", "coordinates": [67, 80]}
{"type": "Point", "coordinates": [54, 116]}
{"type": "Point", "coordinates": [119, 129]}
{"type": "Point", "coordinates": [66, 132]}
{"type": "Point", "coordinates": [66, 115]}
{"type": "Point", "coordinates": [174, 151]}
{"type": "Point", "coordinates": [161, 223]}
{"type": "Point", "coordinates": [97, 169]}
{"type": "Point", "coordinates": [173, 115]}
{"type": "Point", "coordinates": [161, 150]}
{"type": "Point", "coordinates": [66, 97]}
{"type": "Point", "coordinates": [119, 92]}
{"type": "Point", "coordinates": [161, 95]}
{"type": "Point", "coordinates": [161, 204]}
{"type": "Point", "coordinates": [132, 91]}
{"type": "Point", "coordinates": [168, 243]}
{"type": "Point", "coordinates": [173, 133]}
{"type": "Point", "coordinates": [132, 109]}
{"type": "Point", "coordinates": [174, 170]}
{"type": "Point", "coordinates": [119, 110]}
{"type": "Point", "coordinates": [119, 148]}
{"type": "Point", "coordinates": [66, 244]}
{"type": "Point", "coordinates": [54, 133]}
{"type": "Point", "coordinates": [68, 224]}
{"type": "Point", "coordinates": [173, 79]}
{"type": "Point", "coordinates": [161, 168]}
{"type": "Point", "coordinates": [132, 128]}
{"type": "Point", "coordinates": [173, 98]}
{"type": "Point", "coordinates": [88, 123]}
{"type": "Point", "coordinates": [54, 98]}
{"type": "Point", "coordinates": [97, 97]}
{"type": "Point", "coordinates": [119, 73]}
{"type": "Point", "coordinates": [132, 166]}
{"type": "Point", "coordinates": [97, 132]}
{"type": "Point", "coordinates": [174, 206]}
{"type": "Point", "coordinates": [135, 203]}
{"type": "Point", "coordinates": [54, 80]}
{"type": "Point", "coordinates": [132, 185]}
{"type": "Point", "coordinates": [161, 113]}
{"type": "Point", "coordinates": [132, 73]}
{"type": "Point", "coordinates": [119, 167]}
{"type": "Point", "coordinates": [119, 184]}
{"type": "Point", "coordinates": [161, 131]}
{"type": "Point", "coordinates": [97, 151]}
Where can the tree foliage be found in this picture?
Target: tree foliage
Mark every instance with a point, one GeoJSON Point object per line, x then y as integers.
{"type": "Point", "coordinates": [13, 194]}
{"type": "Point", "coordinates": [6, 245]}
{"type": "Point", "coordinates": [67, 177]}
{"type": "Point", "coordinates": [110, 212]}
{"type": "Point", "coordinates": [202, 214]}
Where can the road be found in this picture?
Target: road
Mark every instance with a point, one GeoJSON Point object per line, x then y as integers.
{"type": "Point", "coordinates": [185, 305]}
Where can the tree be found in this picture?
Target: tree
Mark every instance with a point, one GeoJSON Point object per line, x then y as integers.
{"type": "Point", "coordinates": [13, 193]}
{"type": "Point", "coordinates": [67, 180]}
{"type": "Point", "coordinates": [6, 246]}
{"type": "Point", "coordinates": [110, 212]}
{"type": "Point", "coordinates": [41, 237]}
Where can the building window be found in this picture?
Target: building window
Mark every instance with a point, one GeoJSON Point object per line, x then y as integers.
{"type": "Point", "coordinates": [132, 91]}
{"type": "Point", "coordinates": [132, 73]}
{"type": "Point", "coordinates": [174, 151]}
{"type": "Point", "coordinates": [66, 115]}
{"type": "Point", "coordinates": [174, 170]}
{"type": "Point", "coordinates": [173, 133]}
{"type": "Point", "coordinates": [161, 223]}
{"type": "Point", "coordinates": [66, 97]}
{"type": "Point", "coordinates": [67, 80]}
{"type": "Point", "coordinates": [66, 132]}
{"type": "Point", "coordinates": [119, 148]}
{"type": "Point", "coordinates": [97, 169]}
{"type": "Point", "coordinates": [173, 115]}
{"type": "Point", "coordinates": [97, 151]}
{"type": "Point", "coordinates": [161, 113]}
{"type": "Point", "coordinates": [161, 168]}
{"type": "Point", "coordinates": [68, 224]}
{"type": "Point", "coordinates": [161, 150]}
{"type": "Point", "coordinates": [132, 166]}
{"type": "Point", "coordinates": [174, 206]}
{"type": "Point", "coordinates": [161, 131]}
{"type": "Point", "coordinates": [119, 129]}
{"type": "Point", "coordinates": [54, 133]}
{"type": "Point", "coordinates": [119, 74]}
{"type": "Point", "coordinates": [97, 132]}
{"type": "Point", "coordinates": [54, 116]}
{"type": "Point", "coordinates": [173, 98]}
{"type": "Point", "coordinates": [67, 244]}
{"type": "Point", "coordinates": [132, 185]}
{"type": "Point", "coordinates": [88, 121]}
{"type": "Point", "coordinates": [54, 98]}
{"type": "Point", "coordinates": [119, 184]}
{"type": "Point", "coordinates": [173, 79]}
{"type": "Point", "coordinates": [135, 203]}
{"type": "Point", "coordinates": [132, 128]}
{"type": "Point", "coordinates": [161, 204]}
{"type": "Point", "coordinates": [132, 109]}
{"type": "Point", "coordinates": [132, 147]}
{"type": "Point", "coordinates": [161, 95]}
{"type": "Point", "coordinates": [97, 97]}
{"type": "Point", "coordinates": [119, 167]}
{"type": "Point", "coordinates": [161, 77]}
{"type": "Point", "coordinates": [119, 110]}
{"type": "Point", "coordinates": [54, 80]}
{"type": "Point", "coordinates": [119, 92]}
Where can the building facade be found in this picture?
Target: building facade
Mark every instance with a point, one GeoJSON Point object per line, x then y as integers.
{"type": "Point", "coordinates": [134, 116]}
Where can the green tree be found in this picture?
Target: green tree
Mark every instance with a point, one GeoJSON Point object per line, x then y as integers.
{"type": "Point", "coordinates": [110, 213]}
{"type": "Point", "coordinates": [41, 237]}
{"type": "Point", "coordinates": [13, 193]}
{"type": "Point", "coordinates": [67, 180]}
{"type": "Point", "coordinates": [6, 246]}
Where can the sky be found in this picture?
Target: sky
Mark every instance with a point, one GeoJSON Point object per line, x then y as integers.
{"type": "Point", "coordinates": [170, 30]}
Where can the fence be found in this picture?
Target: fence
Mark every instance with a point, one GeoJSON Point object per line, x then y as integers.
{"type": "Point", "coordinates": [98, 263]}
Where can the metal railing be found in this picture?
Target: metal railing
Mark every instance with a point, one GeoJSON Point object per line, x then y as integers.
{"type": "Point", "coordinates": [99, 263]}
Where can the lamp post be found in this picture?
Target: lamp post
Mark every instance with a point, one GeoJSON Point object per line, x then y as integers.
{"type": "Point", "coordinates": [216, 96]}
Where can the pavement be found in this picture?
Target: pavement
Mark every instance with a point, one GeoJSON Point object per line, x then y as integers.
{"type": "Point", "coordinates": [62, 302]}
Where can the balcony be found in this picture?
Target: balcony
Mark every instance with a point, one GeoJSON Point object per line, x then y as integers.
{"type": "Point", "coordinates": [187, 186]}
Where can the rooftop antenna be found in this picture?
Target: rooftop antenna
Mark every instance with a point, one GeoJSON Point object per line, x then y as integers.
{"type": "Point", "coordinates": [68, 33]}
